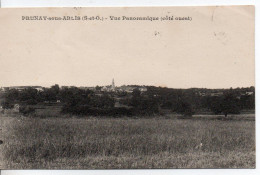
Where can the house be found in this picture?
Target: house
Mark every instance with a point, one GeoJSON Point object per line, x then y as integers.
{"type": "Point", "coordinates": [249, 93]}
{"type": "Point", "coordinates": [216, 94]}
{"type": "Point", "coordinates": [87, 88]}
{"type": "Point", "coordinates": [107, 89]}
{"type": "Point", "coordinates": [130, 89]}
{"type": "Point", "coordinates": [143, 89]}
{"type": "Point", "coordinates": [39, 89]}
{"type": "Point", "coordinates": [21, 88]}
{"type": "Point", "coordinates": [202, 94]}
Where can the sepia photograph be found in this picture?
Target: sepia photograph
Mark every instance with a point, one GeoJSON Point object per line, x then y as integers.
{"type": "Point", "coordinates": [127, 88]}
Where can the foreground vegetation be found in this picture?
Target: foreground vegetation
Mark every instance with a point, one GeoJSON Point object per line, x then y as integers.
{"type": "Point", "coordinates": [92, 143]}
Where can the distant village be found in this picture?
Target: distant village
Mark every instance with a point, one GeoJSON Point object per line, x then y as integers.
{"type": "Point", "coordinates": [126, 99]}
{"type": "Point", "coordinates": [108, 88]}
{"type": "Point", "coordinates": [130, 88]}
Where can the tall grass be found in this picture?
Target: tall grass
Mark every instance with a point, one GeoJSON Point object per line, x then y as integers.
{"type": "Point", "coordinates": [128, 143]}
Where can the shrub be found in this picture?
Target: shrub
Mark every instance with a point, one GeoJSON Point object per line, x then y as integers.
{"type": "Point", "coordinates": [25, 110]}
{"type": "Point", "coordinates": [7, 105]}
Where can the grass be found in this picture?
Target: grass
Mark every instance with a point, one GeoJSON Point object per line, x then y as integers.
{"type": "Point", "coordinates": [91, 143]}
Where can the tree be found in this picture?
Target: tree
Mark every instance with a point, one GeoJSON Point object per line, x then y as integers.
{"type": "Point", "coordinates": [51, 94]}
{"type": "Point", "coordinates": [11, 95]}
{"type": "Point", "coordinates": [29, 96]}
{"type": "Point", "coordinates": [214, 104]}
{"type": "Point", "coordinates": [184, 108]}
{"type": "Point", "coordinates": [55, 88]}
{"type": "Point", "coordinates": [98, 88]}
{"type": "Point", "coordinates": [136, 98]}
{"type": "Point", "coordinates": [144, 105]}
{"type": "Point", "coordinates": [104, 101]}
{"type": "Point", "coordinates": [247, 101]}
{"type": "Point", "coordinates": [9, 99]}
{"type": "Point", "coordinates": [149, 105]}
{"type": "Point", "coordinates": [136, 93]}
{"type": "Point", "coordinates": [7, 104]}
{"type": "Point", "coordinates": [228, 104]}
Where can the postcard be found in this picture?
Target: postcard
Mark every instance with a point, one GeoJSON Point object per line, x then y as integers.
{"type": "Point", "coordinates": [127, 88]}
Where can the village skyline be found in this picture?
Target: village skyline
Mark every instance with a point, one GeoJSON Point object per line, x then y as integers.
{"type": "Point", "coordinates": [108, 87]}
{"type": "Point", "coordinates": [116, 85]}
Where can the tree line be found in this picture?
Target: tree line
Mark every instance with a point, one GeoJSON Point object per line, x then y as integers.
{"type": "Point", "coordinates": [155, 100]}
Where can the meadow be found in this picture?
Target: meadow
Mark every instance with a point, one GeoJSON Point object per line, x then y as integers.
{"type": "Point", "coordinates": [122, 143]}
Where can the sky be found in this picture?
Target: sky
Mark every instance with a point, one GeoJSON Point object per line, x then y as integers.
{"type": "Point", "coordinates": [214, 50]}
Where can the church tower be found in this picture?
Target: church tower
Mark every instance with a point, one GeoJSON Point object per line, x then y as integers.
{"type": "Point", "coordinates": [113, 84]}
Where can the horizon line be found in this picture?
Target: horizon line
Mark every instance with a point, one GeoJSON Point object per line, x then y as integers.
{"type": "Point", "coordinates": [128, 85]}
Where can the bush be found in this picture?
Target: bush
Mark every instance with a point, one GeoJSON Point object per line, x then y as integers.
{"type": "Point", "coordinates": [25, 110]}
{"type": "Point", "coordinates": [7, 105]}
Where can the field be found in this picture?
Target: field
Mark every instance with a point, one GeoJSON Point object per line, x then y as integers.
{"type": "Point", "coordinates": [109, 143]}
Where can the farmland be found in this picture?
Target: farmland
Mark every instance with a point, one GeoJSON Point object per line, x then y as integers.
{"type": "Point", "coordinates": [71, 142]}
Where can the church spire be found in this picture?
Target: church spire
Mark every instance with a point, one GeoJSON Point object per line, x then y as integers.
{"type": "Point", "coordinates": [113, 84]}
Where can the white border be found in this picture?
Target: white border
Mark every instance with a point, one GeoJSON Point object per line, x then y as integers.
{"type": "Point", "coordinates": [120, 3]}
